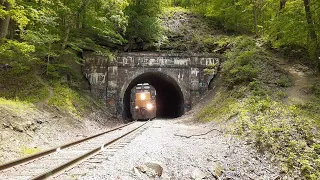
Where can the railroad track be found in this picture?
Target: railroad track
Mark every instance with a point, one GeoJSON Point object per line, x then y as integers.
{"type": "Point", "coordinates": [56, 160]}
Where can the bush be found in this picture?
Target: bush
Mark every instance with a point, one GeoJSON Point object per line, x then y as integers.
{"type": "Point", "coordinates": [241, 69]}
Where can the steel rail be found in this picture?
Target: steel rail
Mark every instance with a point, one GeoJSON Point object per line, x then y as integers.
{"type": "Point", "coordinates": [82, 157]}
{"type": "Point", "coordinates": [52, 150]}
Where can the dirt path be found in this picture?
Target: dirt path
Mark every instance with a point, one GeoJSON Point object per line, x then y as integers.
{"type": "Point", "coordinates": [302, 78]}
{"type": "Point", "coordinates": [298, 92]}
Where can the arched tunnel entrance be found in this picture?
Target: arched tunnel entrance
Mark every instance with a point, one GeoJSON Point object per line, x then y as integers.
{"type": "Point", "coordinates": [170, 100]}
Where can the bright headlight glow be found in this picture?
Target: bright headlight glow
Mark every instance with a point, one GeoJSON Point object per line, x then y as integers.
{"type": "Point", "coordinates": [149, 106]}
{"type": "Point", "coordinates": [137, 107]}
{"type": "Point", "coordinates": [143, 97]}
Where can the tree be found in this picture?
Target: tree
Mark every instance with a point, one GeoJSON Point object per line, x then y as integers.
{"type": "Point", "coordinates": [314, 47]}
{"type": "Point", "coordinates": [144, 26]}
{"type": "Point", "coordinates": [46, 31]}
{"type": "Point", "coordinates": [4, 21]}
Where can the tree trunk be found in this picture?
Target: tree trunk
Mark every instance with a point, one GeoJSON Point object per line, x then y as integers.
{"type": "Point", "coordinates": [262, 17]}
{"type": "Point", "coordinates": [282, 4]}
{"type": "Point", "coordinates": [66, 37]}
{"type": "Point", "coordinates": [281, 7]}
{"type": "Point", "coordinates": [312, 31]}
{"type": "Point", "coordinates": [255, 17]}
{"type": "Point", "coordinates": [12, 29]}
{"type": "Point", "coordinates": [314, 48]}
{"type": "Point", "coordinates": [4, 23]}
{"type": "Point", "coordinates": [84, 14]}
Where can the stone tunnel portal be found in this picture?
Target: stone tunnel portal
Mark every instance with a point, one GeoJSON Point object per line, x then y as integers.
{"type": "Point", "coordinates": [170, 100]}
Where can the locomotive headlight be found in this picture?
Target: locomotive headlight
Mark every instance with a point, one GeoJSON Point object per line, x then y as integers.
{"type": "Point", "coordinates": [137, 107]}
{"type": "Point", "coordinates": [143, 96]}
{"type": "Point", "coordinates": [149, 106]}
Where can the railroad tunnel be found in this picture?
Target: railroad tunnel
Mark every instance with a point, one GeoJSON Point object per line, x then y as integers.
{"type": "Point", "coordinates": [170, 100]}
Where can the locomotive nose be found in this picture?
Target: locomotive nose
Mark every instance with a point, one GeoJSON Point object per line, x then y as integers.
{"type": "Point", "coordinates": [149, 106]}
{"type": "Point", "coordinates": [143, 96]}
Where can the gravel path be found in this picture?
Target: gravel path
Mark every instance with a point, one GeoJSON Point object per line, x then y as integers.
{"type": "Point", "coordinates": [184, 152]}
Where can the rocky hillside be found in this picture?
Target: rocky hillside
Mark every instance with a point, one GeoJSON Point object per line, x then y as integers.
{"type": "Point", "coordinates": [271, 103]}
{"type": "Point", "coordinates": [26, 128]}
{"type": "Point", "coordinates": [188, 32]}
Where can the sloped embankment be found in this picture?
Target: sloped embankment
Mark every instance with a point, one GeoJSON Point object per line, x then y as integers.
{"type": "Point", "coordinates": [274, 110]}
{"type": "Point", "coordinates": [26, 129]}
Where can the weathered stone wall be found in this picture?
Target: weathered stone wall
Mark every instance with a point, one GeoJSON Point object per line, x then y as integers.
{"type": "Point", "coordinates": [109, 80]}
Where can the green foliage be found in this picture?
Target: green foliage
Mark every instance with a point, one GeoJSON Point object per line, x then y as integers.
{"type": "Point", "coordinates": [210, 42]}
{"type": "Point", "coordinates": [272, 126]}
{"type": "Point", "coordinates": [67, 99]}
{"type": "Point", "coordinates": [16, 53]}
{"type": "Point", "coordinates": [16, 105]}
{"type": "Point", "coordinates": [257, 88]}
{"type": "Point", "coordinates": [241, 67]}
{"type": "Point", "coordinates": [144, 23]}
{"type": "Point", "coordinates": [26, 151]}
{"type": "Point", "coordinates": [312, 107]}
{"type": "Point", "coordinates": [285, 27]}
{"type": "Point", "coordinates": [221, 108]}
{"type": "Point", "coordinates": [170, 11]}
{"type": "Point", "coordinates": [259, 113]}
{"type": "Point", "coordinates": [22, 85]}
{"type": "Point", "coordinates": [284, 81]}
{"type": "Point", "coordinates": [210, 69]}
{"type": "Point", "coordinates": [48, 30]}
{"type": "Point", "coordinates": [282, 130]}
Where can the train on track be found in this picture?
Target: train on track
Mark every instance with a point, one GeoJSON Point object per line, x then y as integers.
{"type": "Point", "coordinates": [143, 102]}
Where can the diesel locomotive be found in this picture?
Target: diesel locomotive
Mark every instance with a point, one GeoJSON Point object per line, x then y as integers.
{"type": "Point", "coordinates": [143, 102]}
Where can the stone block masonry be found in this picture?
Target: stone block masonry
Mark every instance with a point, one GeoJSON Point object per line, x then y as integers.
{"type": "Point", "coordinates": [111, 80]}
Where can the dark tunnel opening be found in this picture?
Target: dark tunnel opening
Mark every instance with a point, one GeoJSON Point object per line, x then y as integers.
{"type": "Point", "coordinates": [170, 101]}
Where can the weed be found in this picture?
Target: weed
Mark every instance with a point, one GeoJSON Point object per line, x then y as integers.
{"type": "Point", "coordinates": [284, 81]}
{"type": "Point", "coordinates": [26, 151]}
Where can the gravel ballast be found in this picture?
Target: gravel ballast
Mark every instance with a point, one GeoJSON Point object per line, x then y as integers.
{"type": "Point", "coordinates": [183, 151]}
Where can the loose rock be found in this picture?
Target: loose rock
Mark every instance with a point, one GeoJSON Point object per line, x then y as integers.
{"type": "Point", "coordinates": [150, 169]}
{"type": "Point", "coordinates": [197, 174]}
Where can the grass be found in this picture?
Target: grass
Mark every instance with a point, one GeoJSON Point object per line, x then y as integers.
{"type": "Point", "coordinates": [20, 90]}
{"type": "Point", "coordinates": [68, 99]}
{"type": "Point", "coordinates": [26, 151]}
{"type": "Point", "coordinates": [220, 109]}
{"type": "Point", "coordinates": [260, 114]}
{"type": "Point", "coordinates": [283, 130]}
{"type": "Point", "coordinates": [22, 86]}
{"type": "Point", "coordinates": [16, 105]}
{"type": "Point", "coordinates": [170, 11]}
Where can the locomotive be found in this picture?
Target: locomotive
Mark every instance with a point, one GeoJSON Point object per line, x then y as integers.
{"type": "Point", "coordinates": [143, 102]}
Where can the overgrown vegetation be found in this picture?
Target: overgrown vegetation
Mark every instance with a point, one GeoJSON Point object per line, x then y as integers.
{"type": "Point", "coordinates": [290, 26]}
{"type": "Point", "coordinates": [254, 103]}
{"type": "Point", "coordinates": [16, 105]}
{"type": "Point", "coordinates": [68, 99]}
{"type": "Point", "coordinates": [22, 86]}
{"type": "Point", "coordinates": [39, 41]}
